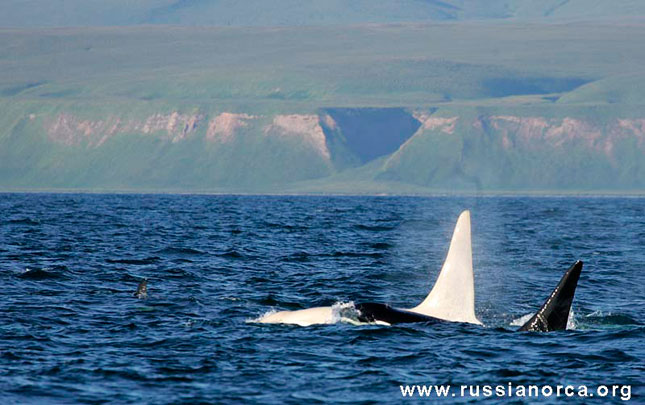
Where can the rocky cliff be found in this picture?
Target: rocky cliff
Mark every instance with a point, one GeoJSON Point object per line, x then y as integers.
{"type": "Point", "coordinates": [435, 149]}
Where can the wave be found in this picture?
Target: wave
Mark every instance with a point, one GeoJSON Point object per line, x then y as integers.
{"type": "Point", "coordinates": [147, 260]}
{"type": "Point", "coordinates": [305, 257]}
{"type": "Point", "coordinates": [572, 324]}
{"type": "Point", "coordinates": [23, 221]}
{"type": "Point", "coordinates": [521, 320]}
{"type": "Point", "coordinates": [232, 254]}
{"type": "Point", "coordinates": [297, 257]}
{"type": "Point", "coordinates": [180, 251]}
{"type": "Point", "coordinates": [609, 318]}
{"type": "Point", "coordinates": [287, 227]}
{"type": "Point", "coordinates": [589, 321]}
{"type": "Point", "coordinates": [381, 245]}
{"type": "Point", "coordinates": [259, 318]}
{"type": "Point", "coordinates": [374, 228]}
{"type": "Point", "coordinates": [356, 254]}
{"type": "Point", "coordinates": [346, 312]}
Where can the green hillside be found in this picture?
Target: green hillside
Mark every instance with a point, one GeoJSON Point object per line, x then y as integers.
{"type": "Point", "coordinates": [408, 108]}
{"type": "Point", "coordinates": [396, 65]}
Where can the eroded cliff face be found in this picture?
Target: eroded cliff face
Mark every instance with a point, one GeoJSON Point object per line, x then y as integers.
{"type": "Point", "coordinates": [526, 132]}
{"type": "Point", "coordinates": [306, 127]}
{"type": "Point", "coordinates": [569, 133]}
{"type": "Point", "coordinates": [518, 132]}
{"type": "Point", "coordinates": [426, 146]}
{"type": "Point", "coordinates": [68, 129]}
{"type": "Point", "coordinates": [224, 126]}
{"type": "Point", "coordinates": [511, 130]}
{"type": "Point", "coordinates": [506, 152]}
{"type": "Point", "coordinates": [442, 124]}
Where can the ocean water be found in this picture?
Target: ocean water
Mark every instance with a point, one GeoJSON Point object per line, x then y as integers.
{"type": "Point", "coordinates": [72, 332]}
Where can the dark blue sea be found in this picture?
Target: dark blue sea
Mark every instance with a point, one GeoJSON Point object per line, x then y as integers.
{"type": "Point", "coordinates": [72, 332]}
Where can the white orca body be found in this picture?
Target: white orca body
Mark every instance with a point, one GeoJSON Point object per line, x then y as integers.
{"type": "Point", "coordinates": [303, 317]}
{"type": "Point", "coordinates": [451, 299]}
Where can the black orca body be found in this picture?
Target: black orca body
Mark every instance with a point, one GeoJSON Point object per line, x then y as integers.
{"type": "Point", "coordinates": [552, 316]}
{"type": "Point", "coordinates": [373, 312]}
{"type": "Point", "coordinates": [554, 313]}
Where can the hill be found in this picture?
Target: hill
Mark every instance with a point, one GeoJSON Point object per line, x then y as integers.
{"type": "Point", "coordinates": [414, 108]}
{"type": "Point", "coordinates": [86, 13]}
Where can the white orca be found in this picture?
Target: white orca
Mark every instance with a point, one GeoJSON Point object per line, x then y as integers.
{"type": "Point", "coordinates": [451, 299]}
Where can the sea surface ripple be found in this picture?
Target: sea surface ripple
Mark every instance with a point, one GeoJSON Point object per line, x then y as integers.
{"type": "Point", "coordinates": [72, 332]}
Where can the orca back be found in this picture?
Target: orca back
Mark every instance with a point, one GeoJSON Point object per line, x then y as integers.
{"type": "Point", "coordinates": [554, 313]}
{"type": "Point", "coordinates": [375, 312]}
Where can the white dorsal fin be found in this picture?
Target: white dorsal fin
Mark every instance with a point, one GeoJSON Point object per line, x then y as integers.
{"type": "Point", "coordinates": [453, 296]}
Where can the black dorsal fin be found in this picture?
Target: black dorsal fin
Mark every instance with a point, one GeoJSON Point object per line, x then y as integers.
{"type": "Point", "coordinates": [554, 314]}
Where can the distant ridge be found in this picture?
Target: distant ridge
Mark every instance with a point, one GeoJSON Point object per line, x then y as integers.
{"type": "Point", "coordinates": [479, 97]}
{"type": "Point", "coordinates": [76, 13]}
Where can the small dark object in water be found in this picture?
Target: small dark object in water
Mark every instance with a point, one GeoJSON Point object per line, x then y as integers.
{"type": "Point", "coordinates": [142, 289]}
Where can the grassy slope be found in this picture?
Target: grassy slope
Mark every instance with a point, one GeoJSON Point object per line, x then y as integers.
{"type": "Point", "coordinates": [397, 65]}
{"type": "Point", "coordinates": [462, 68]}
